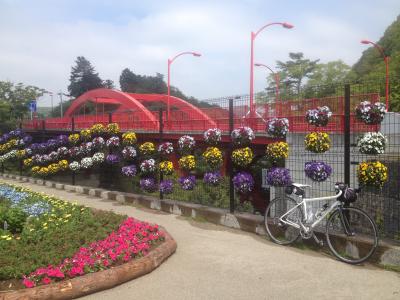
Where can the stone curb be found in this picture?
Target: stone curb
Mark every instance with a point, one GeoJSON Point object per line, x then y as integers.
{"type": "Point", "coordinates": [102, 280]}
{"type": "Point", "coordinates": [387, 253]}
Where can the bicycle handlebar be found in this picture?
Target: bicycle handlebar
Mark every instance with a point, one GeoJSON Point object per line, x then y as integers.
{"type": "Point", "coordinates": [332, 197]}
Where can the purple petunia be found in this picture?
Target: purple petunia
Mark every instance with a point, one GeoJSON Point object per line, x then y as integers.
{"type": "Point", "coordinates": [279, 177]}
{"type": "Point", "coordinates": [148, 184]}
{"type": "Point", "coordinates": [187, 183]}
{"type": "Point", "coordinates": [129, 171]}
{"type": "Point", "coordinates": [166, 186]}
{"type": "Point", "coordinates": [112, 159]}
{"type": "Point", "coordinates": [212, 178]}
{"type": "Point", "coordinates": [243, 182]}
{"type": "Point", "coordinates": [317, 170]}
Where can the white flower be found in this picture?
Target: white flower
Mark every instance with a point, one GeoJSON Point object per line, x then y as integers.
{"type": "Point", "coordinates": [129, 152]}
{"type": "Point", "coordinates": [372, 143]}
{"type": "Point", "coordinates": [98, 157]}
{"type": "Point", "coordinates": [86, 162]}
{"type": "Point", "coordinates": [74, 166]}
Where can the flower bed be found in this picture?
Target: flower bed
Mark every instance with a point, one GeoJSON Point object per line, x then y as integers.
{"type": "Point", "coordinates": [56, 240]}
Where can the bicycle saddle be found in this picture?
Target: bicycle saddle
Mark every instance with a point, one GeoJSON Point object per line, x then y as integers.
{"type": "Point", "coordinates": [297, 188]}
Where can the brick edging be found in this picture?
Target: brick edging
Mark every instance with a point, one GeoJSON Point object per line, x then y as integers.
{"type": "Point", "coordinates": [102, 280]}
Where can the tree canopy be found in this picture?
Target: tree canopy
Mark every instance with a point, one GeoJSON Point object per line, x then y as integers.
{"type": "Point", "coordinates": [14, 102]}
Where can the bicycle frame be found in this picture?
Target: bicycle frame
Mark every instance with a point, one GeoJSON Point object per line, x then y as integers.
{"type": "Point", "coordinates": [304, 204]}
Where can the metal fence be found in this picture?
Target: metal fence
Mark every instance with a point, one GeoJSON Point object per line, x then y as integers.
{"type": "Point", "coordinates": [230, 112]}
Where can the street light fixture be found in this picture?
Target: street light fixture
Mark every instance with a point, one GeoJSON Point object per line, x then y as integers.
{"type": "Point", "coordinates": [386, 60]}
{"type": "Point", "coordinates": [170, 61]}
{"type": "Point", "coordinates": [253, 37]}
{"type": "Point", "coordinates": [276, 78]}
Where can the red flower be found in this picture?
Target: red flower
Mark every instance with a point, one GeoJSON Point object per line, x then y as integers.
{"type": "Point", "coordinates": [46, 280]}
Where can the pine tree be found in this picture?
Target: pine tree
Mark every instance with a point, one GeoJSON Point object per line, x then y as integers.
{"type": "Point", "coordinates": [83, 78]}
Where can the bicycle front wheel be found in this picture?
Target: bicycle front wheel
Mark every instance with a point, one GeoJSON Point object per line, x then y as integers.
{"type": "Point", "coordinates": [351, 235]}
{"type": "Point", "coordinates": [281, 232]}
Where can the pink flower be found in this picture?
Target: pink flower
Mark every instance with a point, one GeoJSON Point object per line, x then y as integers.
{"type": "Point", "coordinates": [28, 283]}
{"type": "Point", "coordinates": [46, 280]}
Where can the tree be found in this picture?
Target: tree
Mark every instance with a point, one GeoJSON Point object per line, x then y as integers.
{"type": "Point", "coordinates": [294, 71]}
{"type": "Point", "coordinates": [14, 102]}
{"type": "Point", "coordinates": [83, 78]}
{"type": "Point", "coordinates": [142, 84]}
{"type": "Point", "coordinates": [109, 84]}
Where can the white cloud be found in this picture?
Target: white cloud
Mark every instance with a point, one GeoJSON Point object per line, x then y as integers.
{"type": "Point", "coordinates": [39, 43]}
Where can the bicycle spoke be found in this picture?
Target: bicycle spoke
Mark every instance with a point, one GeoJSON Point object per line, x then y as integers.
{"type": "Point", "coordinates": [277, 220]}
{"type": "Point", "coordinates": [351, 235]}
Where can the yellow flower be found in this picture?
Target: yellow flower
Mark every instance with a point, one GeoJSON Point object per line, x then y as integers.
{"type": "Point", "coordinates": [86, 134]}
{"type": "Point", "coordinates": [28, 162]}
{"type": "Point", "coordinates": [147, 148]}
{"type": "Point", "coordinates": [213, 157]}
{"type": "Point", "coordinates": [166, 167]}
{"type": "Point", "coordinates": [372, 173]}
{"type": "Point", "coordinates": [187, 162]}
{"type": "Point", "coordinates": [63, 164]}
{"type": "Point", "coordinates": [74, 138]}
{"type": "Point", "coordinates": [317, 142]}
{"type": "Point", "coordinates": [113, 128]}
{"type": "Point", "coordinates": [129, 138]}
{"type": "Point", "coordinates": [97, 129]}
{"type": "Point", "coordinates": [278, 150]}
{"type": "Point", "coordinates": [21, 154]}
{"type": "Point", "coordinates": [242, 157]}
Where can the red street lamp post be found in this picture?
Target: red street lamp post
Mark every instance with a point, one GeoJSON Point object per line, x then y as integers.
{"type": "Point", "coordinates": [170, 61]}
{"type": "Point", "coordinates": [253, 37]}
{"type": "Point", "coordinates": [386, 60]}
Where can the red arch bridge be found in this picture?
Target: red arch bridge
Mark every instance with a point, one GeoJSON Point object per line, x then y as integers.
{"type": "Point", "coordinates": [141, 113]}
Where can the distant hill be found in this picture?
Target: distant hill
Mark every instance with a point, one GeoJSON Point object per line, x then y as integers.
{"type": "Point", "coordinates": [370, 66]}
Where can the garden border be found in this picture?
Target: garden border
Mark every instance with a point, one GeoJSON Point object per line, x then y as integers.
{"type": "Point", "coordinates": [387, 253]}
{"type": "Point", "coordinates": [98, 281]}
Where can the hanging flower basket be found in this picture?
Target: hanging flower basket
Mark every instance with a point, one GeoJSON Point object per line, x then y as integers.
{"type": "Point", "coordinates": [278, 127]}
{"type": "Point", "coordinates": [148, 184]}
{"type": "Point", "coordinates": [129, 171]}
{"type": "Point", "coordinates": [166, 148]}
{"type": "Point", "coordinates": [317, 170]}
{"type": "Point", "coordinates": [212, 178]}
{"type": "Point", "coordinates": [372, 143]}
{"type": "Point", "coordinates": [242, 157]}
{"type": "Point", "coordinates": [277, 151]}
{"type": "Point", "coordinates": [213, 157]}
{"type": "Point", "coordinates": [372, 173]}
{"type": "Point", "coordinates": [242, 136]}
{"type": "Point", "coordinates": [187, 183]}
{"type": "Point", "coordinates": [212, 136]}
{"type": "Point", "coordinates": [148, 166]}
{"type": "Point", "coordinates": [279, 177]}
{"type": "Point", "coordinates": [371, 114]}
{"type": "Point", "coordinates": [317, 142]}
{"type": "Point", "coordinates": [186, 144]}
{"type": "Point", "coordinates": [319, 117]}
{"type": "Point", "coordinates": [166, 167]}
{"type": "Point", "coordinates": [166, 186]}
{"type": "Point", "coordinates": [243, 182]}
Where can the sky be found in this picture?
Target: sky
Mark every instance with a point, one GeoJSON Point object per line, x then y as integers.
{"type": "Point", "coordinates": [40, 40]}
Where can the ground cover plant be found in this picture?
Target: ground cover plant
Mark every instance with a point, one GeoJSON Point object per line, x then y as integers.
{"type": "Point", "coordinates": [44, 239]}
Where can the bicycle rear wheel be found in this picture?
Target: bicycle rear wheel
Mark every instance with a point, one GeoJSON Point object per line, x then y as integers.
{"type": "Point", "coordinates": [351, 235]}
{"type": "Point", "coordinates": [280, 232]}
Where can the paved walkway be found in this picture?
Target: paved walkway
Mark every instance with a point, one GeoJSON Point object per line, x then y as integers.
{"type": "Point", "coordinates": [214, 262]}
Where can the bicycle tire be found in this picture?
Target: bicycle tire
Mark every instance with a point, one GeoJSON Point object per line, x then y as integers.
{"type": "Point", "coordinates": [274, 229]}
{"type": "Point", "coordinates": [346, 250]}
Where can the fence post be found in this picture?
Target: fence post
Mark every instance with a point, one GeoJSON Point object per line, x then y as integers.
{"type": "Point", "coordinates": [347, 134]}
{"type": "Point", "coordinates": [161, 133]}
{"type": "Point", "coordinates": [230, 165]}
{"type": "Point", "coordinates": [109, 117]}
{"type": "Point", "coordinates": [73, 124]}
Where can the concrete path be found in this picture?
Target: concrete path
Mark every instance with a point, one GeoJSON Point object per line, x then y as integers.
{"type": "Point", "coordinates": [214, 262]}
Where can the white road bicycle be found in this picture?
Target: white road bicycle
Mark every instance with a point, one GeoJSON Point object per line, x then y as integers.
{"type": "Point", "coordinates": [351, 234]}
